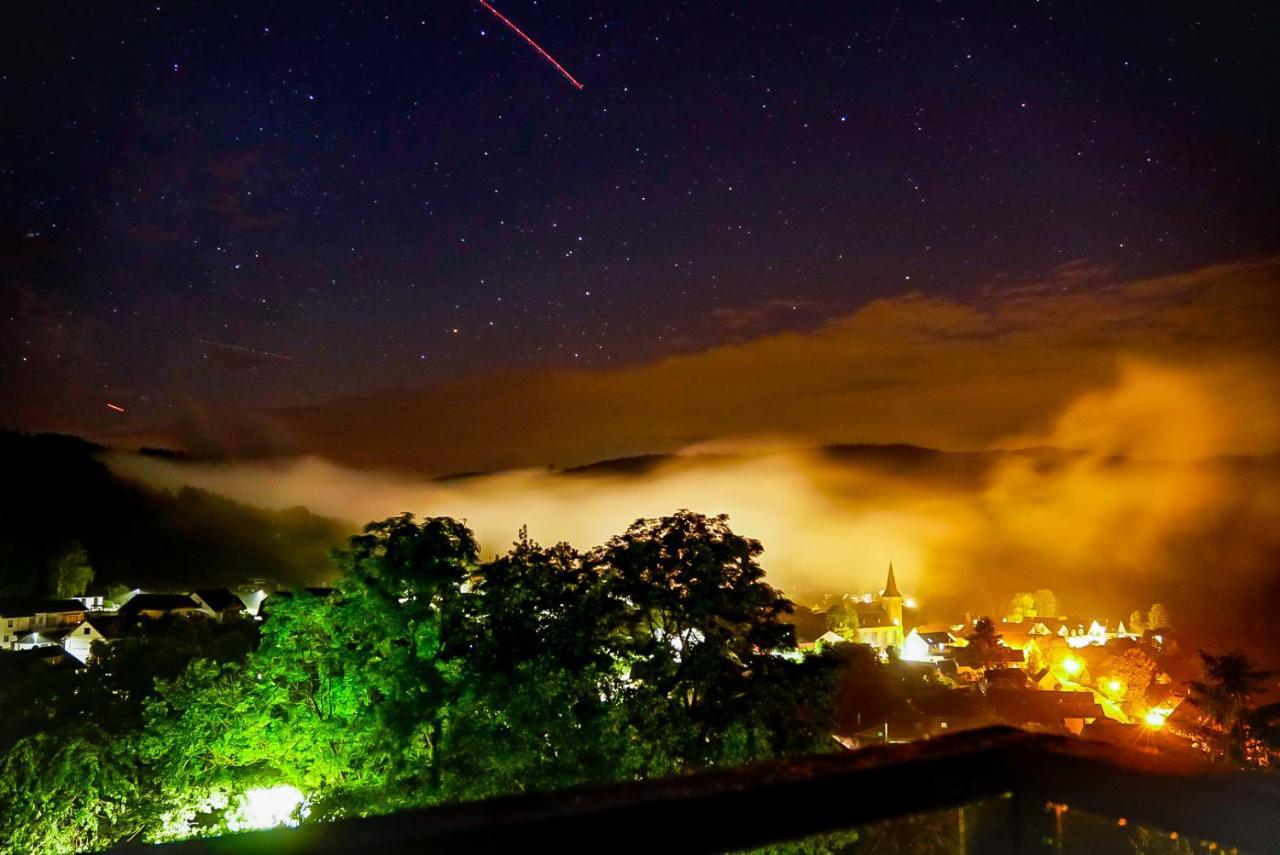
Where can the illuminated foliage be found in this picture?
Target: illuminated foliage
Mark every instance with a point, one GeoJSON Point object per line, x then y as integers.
{"type": "Point", "coordinates": [423, 677]}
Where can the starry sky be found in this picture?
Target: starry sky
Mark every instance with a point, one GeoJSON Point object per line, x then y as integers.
{"type": "Point", "coordinates": [217, 210]}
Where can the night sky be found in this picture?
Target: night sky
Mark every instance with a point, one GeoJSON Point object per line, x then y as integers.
{"type": "Point", "coordinates": [244, 206]}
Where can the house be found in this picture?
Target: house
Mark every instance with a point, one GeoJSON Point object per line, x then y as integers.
{"type": "Point", "coordinates": [218, 603]}
{"type": "Point", "coordinates": [96, 628]}
{"type": "Point", "coordinates": [34, 623]}
{"type": "Point", "coordinates": [830, 637]}
{"type": "Point", "coordinates": [929, 644]}
{"type": "Point", "coordinates": [155, 606]}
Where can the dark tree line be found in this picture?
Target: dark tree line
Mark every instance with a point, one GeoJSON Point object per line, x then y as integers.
{"type": "Point", "coordinates": [425, 677]}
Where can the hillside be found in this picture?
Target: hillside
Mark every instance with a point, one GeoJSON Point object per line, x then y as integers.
{"type": "Point", "coordinates": [59, 496]}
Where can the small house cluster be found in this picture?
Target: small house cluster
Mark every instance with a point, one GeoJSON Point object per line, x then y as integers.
{"type": "Point", "coordinates": [1062, 673]}
{"type": "Point", "coordinates": [74, 625]}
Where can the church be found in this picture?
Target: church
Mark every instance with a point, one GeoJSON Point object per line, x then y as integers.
{"type": "Point", "coordinates": [880, 621]}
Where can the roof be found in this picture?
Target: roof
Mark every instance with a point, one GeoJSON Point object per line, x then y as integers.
{"type": "Point", "coordinates": [1032, 705]}
{"type": "Point", "coordinates": [25, 607]}
{"type": "Point", "coordinates": [891, 586]}
{"type": "Point", "coordinates": [157, 603]}
{"type": "Point", "coordinates": [23, 661]}
{"type": "Point", "coordinates": [872, 616]}
{"type": "Point", "coordinates": [219, 599]}
{"type": "Point", "coordinates": [53, 634]}
{"type": "Point", "coordinates": [108, 626]}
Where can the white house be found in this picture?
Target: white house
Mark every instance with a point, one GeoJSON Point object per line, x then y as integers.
{"type": "Point", "coordinates": [80, 640]}
{"type": "Point", "coordinates": [37, 623]}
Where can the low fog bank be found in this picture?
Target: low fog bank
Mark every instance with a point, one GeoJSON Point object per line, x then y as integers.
{"type": "Point", "coordinates": [1131, 497]}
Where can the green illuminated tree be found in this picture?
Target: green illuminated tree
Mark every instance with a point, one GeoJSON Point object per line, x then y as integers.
{"type": "Point", "coordinates": [842, 619]}
{"type": "Point", "coordinates": [539, 707]}
{"type": "Point", "coordinates": [699, 627]}
{"type": "Point", "coordinates": [71, 572]}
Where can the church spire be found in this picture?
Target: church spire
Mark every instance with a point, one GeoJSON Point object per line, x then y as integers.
{"type": "Point", "coordinates": [891, 586]}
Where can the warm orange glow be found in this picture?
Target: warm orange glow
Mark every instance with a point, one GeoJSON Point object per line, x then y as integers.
{"type": "Point", "coordinates": [1155, 717]}
{"type": "Point", "coordinates": [1115, 686]}
{"type": "Point", "coordinates": [1072, 665]}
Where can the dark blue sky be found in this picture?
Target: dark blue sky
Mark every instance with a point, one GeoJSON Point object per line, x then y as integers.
{"type": "Point", "coordinates": [390, 194]}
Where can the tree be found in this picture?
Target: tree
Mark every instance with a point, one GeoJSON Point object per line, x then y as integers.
{"type": "Point", "coordinates": [72, 572]}
{"type": "Point", "coordinates": [540, 708]}
{"type": "Point", "coordinates": [73, 772]}
{"type": "Point", "coordinates": [699, 629]}
{"type": "Point", "coordinates": [1158, 617]}
{"type": "Point", "coordinates": [402, 600]}
{"type": "Point", "coordinates": [842, 619]}
{"type": "Point", "coordinates": [988, 650]}
{"type": "Point", "coordinates": [1137, 621]}
{"type": "Point", "coordinates": [1229, 685]}
{"type": "Point", "coordinates": [1132, 673]}
{"type": "Point", "coordinates": [1019, 605]}
{"type": "Point", "coordinates": [1046, 603]}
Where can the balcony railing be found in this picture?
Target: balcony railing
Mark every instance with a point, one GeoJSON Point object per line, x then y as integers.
{"type": "Point", "coordinates": [1015, 776]}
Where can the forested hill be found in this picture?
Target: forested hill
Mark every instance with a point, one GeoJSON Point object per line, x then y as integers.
{"type": "Point", "coordinates": [58, 498]}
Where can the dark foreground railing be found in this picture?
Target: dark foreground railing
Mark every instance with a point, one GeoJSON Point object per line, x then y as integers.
{"type": "Point", "coordinates": [1015, 773]}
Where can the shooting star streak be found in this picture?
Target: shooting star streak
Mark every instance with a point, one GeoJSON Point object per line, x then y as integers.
{"type": "Point", "coordinates": [116, 407]}
{"type": "Point", "coordinates": [242, 349]}
{"type": "Point", "coordinates": [519, 32]}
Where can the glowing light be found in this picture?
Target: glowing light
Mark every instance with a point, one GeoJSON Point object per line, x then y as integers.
{"type": "Point", "coordinates": [910, 602]}
{"type": "Point", "coordinates": [116, 407]}
{"type": "Point", "coordinates": [1072, 665]}
{"type": "Point", "coordinates": [519, 32]}
{"type": "Point", "coordinates": [1114, 686]}
{"type": "Point", "coordinates": [267, 807]}
{"type": "Point", "coordinates": [1156, 717]}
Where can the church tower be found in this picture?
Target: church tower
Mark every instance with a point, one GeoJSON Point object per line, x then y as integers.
{"type": "Point", "coordinates": [891, 601]}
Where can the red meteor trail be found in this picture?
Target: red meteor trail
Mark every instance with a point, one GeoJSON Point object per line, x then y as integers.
{"type": "Point", "coordinates": [116, 407]}
{"type": "Point", "coordinates": [519, 32]}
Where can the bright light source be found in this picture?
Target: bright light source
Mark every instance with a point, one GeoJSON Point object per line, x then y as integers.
{"type": "Point", "coordinates": [266, 807]}
{"type": "Point", "coordinates": [1072, 665]}
{"type": "Point", "coordinates": [1156, 717]}
{"type": "Point", "coordinates": [1114, 685]}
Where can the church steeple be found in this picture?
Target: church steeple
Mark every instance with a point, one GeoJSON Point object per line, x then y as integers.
{"type": "Point", "coordinates": [891, 586]}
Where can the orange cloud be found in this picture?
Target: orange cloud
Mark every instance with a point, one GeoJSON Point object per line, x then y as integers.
{"type": "Point", "coordinates": [918, 369]}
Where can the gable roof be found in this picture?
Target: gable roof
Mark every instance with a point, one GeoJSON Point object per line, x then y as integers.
{"type": "Point", "coordinates": [108, 626]}
{"type": "Point", "coordinates": [158, 603]}
{"type": "Point", "coordinates": [219, 599]}
{"type": "Point", "coordinates": [29, 608]}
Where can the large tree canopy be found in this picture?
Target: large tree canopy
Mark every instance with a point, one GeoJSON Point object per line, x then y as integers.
{"type": "Point", "coordinates": [424, 677]}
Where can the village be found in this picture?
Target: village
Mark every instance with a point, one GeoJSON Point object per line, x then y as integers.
{"type": "Point", "coordinates": [1037, 670]}
{"type": "Point", "coordinates": [1052, 673]}
{"type": "Point", "coordinates": [62, 633]}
